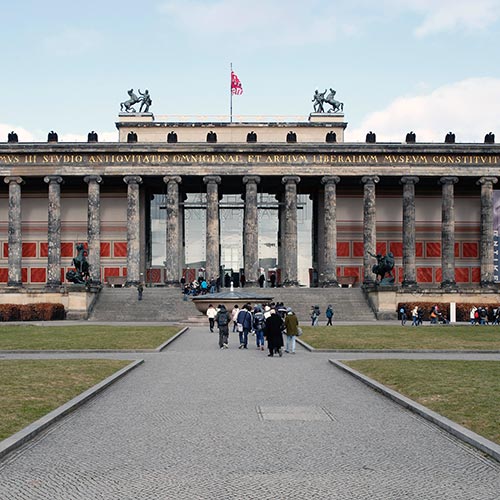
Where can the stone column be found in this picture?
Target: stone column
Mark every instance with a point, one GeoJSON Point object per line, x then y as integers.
{"type": "Point", "coordinates": [54, 231]}
{"type": "Point", "coordinates": [409, 257]}
{"type": "Point", "coordinates": [329, 277]}
{"type": "Point", "coordinates": [448, 232]}
{"type": "Point", "coordinates": [15, 240]}
{"type": "Point", "coordinates": [172, 260]}
{"type": "Point", "coordinates": [212, 265]}
{"type": "Point", "coordinates": [251, 231]}
{"type": "Point", "coordinates": [369, 226]}
{"type": "Point", "coordinates": [289, 241]}
{"type": "Point", "coordinates": [94, 228]}
{"type": "Point", "coordinates": [133, 229]}
{"type": "Point", "coordinates": [486, 248]}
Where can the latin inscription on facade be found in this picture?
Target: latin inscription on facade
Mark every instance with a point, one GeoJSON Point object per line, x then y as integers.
{"type": "Point", "coordinates": [246, 158]}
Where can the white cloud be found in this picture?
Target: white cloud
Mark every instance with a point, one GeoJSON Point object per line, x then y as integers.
{"type": "Point", "coordinates": [469, 108]}
{"type": "Point", "coordinates": [72, 41]}
{"type": "Point", "coordinates": [22, 134]}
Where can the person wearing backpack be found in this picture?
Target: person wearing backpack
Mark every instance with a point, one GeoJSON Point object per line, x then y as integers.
{"type": "Point", "coordinates": [222, 319]}
{"type": "Point", "coordinates": [244, 325]}
{"type": "Point", "coordinates": [329, 315]}
{"type": "Point", "coordinates": [259, 323]}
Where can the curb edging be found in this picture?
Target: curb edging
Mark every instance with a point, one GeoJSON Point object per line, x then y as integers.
{"type": "Point", "coordinates": [19, 438]}
{"type": "Point", "coordinates": [171, 339]}
{"type": "Point", "coordinates": [460, 432]}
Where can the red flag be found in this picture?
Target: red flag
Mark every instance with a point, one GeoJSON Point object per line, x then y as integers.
{"type": "Point", "coordinates": [236, 88]}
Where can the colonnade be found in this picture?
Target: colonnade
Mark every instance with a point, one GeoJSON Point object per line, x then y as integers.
{"type": "Point", "coordinates": [288, 229]}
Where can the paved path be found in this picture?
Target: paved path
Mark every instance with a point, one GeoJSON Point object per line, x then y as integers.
{"type": "Point", "coordinates": [195, 422]}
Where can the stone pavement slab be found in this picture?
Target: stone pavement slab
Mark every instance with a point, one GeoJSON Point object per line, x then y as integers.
{"type": "Point", "coordinates": [196, 422]}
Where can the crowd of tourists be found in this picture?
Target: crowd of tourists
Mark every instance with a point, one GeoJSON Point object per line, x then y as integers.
{"type": "Point", "coordinates": [266, 322]}
{"type": "Point", "coordinates": [201, 286]}
{"type": "Point", "coordinates": [484, 316]}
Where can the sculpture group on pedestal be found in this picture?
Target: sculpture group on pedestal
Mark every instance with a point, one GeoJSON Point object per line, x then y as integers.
{"type": "Point", "coordinates": [319, 100]}
{"type": "Point", "coordinates": [80, 275]}
{"type": "Point", "coordinates": [145, 101]}
{"type": "Point", "coordinates": [383, 268]}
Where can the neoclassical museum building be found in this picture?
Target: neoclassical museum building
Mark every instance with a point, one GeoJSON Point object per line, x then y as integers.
{"type": "Point", "coordinates": [285, 198]}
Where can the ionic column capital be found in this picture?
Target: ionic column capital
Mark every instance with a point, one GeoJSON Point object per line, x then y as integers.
{"type": "Point", "coordinates": [287, 179]}
{"type": "Point", "coordinates": [409, 179]}
{"type": "Point", "coordinates": [370, 179]}
{"type": "Point", "coordinates": [132, 179]}
{"type": "Point", "coordinates": [172, 178]}
{"type": "Point", "coordinates": [330, 179]}
{"type": "Point", "coordinates": [212, 179]}
{"type": "Point", "coordinates": [447, 180]}
{"type": "Point", "coordinates": [14, 179]}
{"type": "Point", "coordinates": [92, 178]}
{"type": "Point", "coordinates": [251, 179]}
{"type": "Point", "coordinates": [487, 180]}
{"type": "Point", "coordinates": [53, 179]}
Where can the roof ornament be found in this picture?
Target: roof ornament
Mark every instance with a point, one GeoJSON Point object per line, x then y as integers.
{"type": "Point", "coordinates": [145, 101]}
{"type": "Point", "coordinates": [321, 98]}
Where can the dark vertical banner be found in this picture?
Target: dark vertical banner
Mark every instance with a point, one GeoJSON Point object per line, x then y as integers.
{"type": "Point", "coordinates": [496, 233]}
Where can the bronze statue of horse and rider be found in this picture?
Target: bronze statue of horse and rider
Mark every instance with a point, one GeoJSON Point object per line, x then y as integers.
{"type": "Point", "coordinates": [321, 98]}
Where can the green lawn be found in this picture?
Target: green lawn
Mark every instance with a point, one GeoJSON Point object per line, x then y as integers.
{"type": "Point", "coordinates": [461, 337]}
{"type": "Point", "coordinates": [83, 337]}
{"type": "Point", "coordinates": [32, 388]}
{"type": "Point", "coordinates": [467, 392]}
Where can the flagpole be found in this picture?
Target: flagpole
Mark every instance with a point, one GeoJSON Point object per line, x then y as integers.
{"type": "Point", "coordinates": [231, 95]}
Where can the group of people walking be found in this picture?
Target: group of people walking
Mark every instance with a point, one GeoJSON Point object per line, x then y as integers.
{"type": "Point", "coordinates": [267, 322]}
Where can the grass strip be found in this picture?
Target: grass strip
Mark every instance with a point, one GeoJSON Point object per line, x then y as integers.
{"type": "Point", "coordinates": [437, 337]}
{"type": "Point", "coordinates": [34, 337]}
{"type": "Point", "coordinates": [467, 392]}
{"type": "Point", "coordinates": [33, 388]}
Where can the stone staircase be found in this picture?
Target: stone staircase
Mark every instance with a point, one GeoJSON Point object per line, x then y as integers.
{"type": "Point", "coordinates": [349, 304]}
{"type": "Point", "coordinates": [158, 304]}
{"type": "Point", "coordinates": [167, 304]}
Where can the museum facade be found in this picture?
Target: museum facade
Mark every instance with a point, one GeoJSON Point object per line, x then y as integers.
{"type": "Point", "coordinates": [289, 199]}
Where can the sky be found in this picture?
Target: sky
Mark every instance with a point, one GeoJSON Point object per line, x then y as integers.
{"type": "Point", "coordinates": [430, 66]}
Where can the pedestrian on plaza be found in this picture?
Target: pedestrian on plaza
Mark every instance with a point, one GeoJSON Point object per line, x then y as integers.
{"type": "Point", "coordinates": [243, 280]}
{"type": "Point", "coordinates": [272, 279]}
{"type": "Point", "coordinates": [292, 329]}
{"type": "Point", "coordinates": [274, 334]}
{"type": "Point", "coordinates": [244, 323]}
{"type": "Point", "coordinates": [259, 324]}
{"type": "Point", "coordinates": [234, 316]}
{"type": "Point", "coordinates": [213, 285]}
{"type": "Point", "coordinates": [414, 316]}
{"type": "Point", "coordinates": [402, 315]}
{"type": "Point", "coordinates": [211, 313]}
{"type": "Point", "coordinates": [262, 279]}
{"type": "Point", "coordinates": [315, 314]}
{"type": "Point", "coordinates": [222, 319]}
{"type": "Point", "coordinates": [329, 315]}
{"type": "Point", "coordinates": [140, 290]}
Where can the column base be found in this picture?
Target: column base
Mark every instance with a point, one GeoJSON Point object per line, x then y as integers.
{"type": "Point", "coordinates": [329, 284]}
{"type": "Point", "coordinates": [289, 283]}
{"type": "Point", "coordinates": [449, 285]}
{"type": "Point", "coordinates": [491, 285]}
{"type": "Point", "coordinates": [132, 283]}
{"type": "Point", "coordinates": [15, 284]}
{"type": "Point", "coordinates": [172, 284]}
{"type": "Point", "coordinates": [409, 285]}
{"type": "Point", "coordinates": [94, 286]}
{"type": "Point", "coordinates": [52, 285]}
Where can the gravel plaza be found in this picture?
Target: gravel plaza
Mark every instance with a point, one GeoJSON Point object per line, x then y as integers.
{"type": "Point", "coordinates": [197, 422]}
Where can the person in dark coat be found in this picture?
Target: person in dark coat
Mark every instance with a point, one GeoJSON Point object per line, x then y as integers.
{"type": "Point", "coordinates": [222, 319]}
{"type": "Point", "coordinates": [274, 335]}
